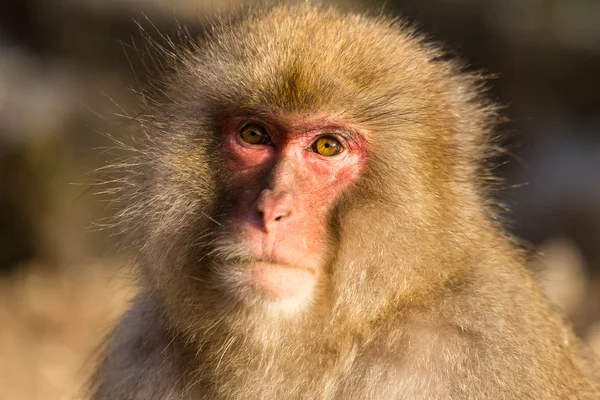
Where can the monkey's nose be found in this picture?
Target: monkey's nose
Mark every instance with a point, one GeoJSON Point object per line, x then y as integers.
{"type": "Point", "coordinates": [274, 207]}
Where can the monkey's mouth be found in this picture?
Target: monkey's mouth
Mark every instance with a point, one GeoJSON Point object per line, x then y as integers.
{"type": "Point", "coordinates": [277, 280]}
{"type": "Point", "coordinates": [276, 263]}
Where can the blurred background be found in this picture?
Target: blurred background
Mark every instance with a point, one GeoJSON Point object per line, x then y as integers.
{"type": "Point", "coordinates": [65, 70]}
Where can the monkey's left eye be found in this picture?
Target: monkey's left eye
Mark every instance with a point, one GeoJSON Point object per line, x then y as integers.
{"type": "Point", "coordinates": [327, 146]}
{"type": "Point", "coordinates": [254, 134]}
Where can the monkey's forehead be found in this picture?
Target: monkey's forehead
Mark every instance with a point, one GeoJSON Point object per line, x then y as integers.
{"type": "Point", "coordinates": [305, 59]}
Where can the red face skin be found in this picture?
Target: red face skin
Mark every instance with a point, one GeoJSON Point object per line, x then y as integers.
{"type": "Point", "coordinates": [285, 190]}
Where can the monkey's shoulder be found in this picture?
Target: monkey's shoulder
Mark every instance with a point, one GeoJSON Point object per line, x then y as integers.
{"type": "Point", "coordinates": [498, 324]}
{"type": "Point", "coordinates": [141, 359]}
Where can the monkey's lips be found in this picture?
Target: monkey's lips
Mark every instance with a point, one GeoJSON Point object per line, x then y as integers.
{"type": "Point", "coordinates": [276, 280]}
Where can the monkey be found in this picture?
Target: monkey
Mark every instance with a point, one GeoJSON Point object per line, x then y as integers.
{"type": "Point", "coordinates": [309, 193]}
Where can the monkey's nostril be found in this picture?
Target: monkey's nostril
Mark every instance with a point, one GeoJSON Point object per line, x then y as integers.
{"type": "Point", "coordinates": [278, 218]}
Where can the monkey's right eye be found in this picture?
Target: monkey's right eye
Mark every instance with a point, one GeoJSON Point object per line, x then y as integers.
{"type": "Point", "coordinates": [254, 134]}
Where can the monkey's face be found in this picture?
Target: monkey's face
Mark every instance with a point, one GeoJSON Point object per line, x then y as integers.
{"type": "Point", "coordinates": [287, 175]}
{"type": "Point", "coordinates": [284, 166]}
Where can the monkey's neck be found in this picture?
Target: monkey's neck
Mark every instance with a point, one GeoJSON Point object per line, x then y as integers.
{"type": "Point", "coordinates": [231, 359]}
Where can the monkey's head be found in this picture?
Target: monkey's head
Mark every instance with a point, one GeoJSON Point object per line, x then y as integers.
{"type": "Point", "coordinates": [302, 164]}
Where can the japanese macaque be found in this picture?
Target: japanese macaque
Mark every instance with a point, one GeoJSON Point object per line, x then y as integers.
{"type": "Point", "coordinates": [308, 192]}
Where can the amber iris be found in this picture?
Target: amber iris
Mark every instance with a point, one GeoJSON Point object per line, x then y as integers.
{"type": "Point", "coordinates": [254, 134]}
{"type": "Point", "coordinates": [327, 146]}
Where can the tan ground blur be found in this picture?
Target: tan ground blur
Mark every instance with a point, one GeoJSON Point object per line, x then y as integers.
{"type": "Point", "coordinates": [50, 324]}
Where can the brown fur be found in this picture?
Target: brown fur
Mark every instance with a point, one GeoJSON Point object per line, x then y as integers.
{"type": "Point", "coordinates": [426, 297]}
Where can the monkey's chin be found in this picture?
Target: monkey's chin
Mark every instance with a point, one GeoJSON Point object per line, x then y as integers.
{"type": "Point", "coordinates": [274, 288]}
{"type": "Point", "coordinates": [281, 282]}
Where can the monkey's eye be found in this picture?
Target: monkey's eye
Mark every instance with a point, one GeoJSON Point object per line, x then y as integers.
{"type": "Point", "coordinates": [327, 146]}
{"type": "Point", "coordinates": [254, 134]}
